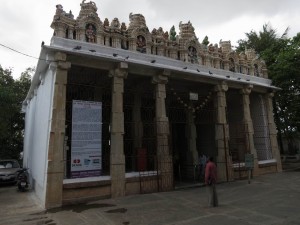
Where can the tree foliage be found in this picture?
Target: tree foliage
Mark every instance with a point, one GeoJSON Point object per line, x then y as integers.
{"type": "Point", "coordinates": [286, 75]}
{"type": "Point", "coordinates": [12, 93]}
{"type": "Point", "coordinates": [282, 57]}
{"type": "Point", "coordinates": [205, 41]}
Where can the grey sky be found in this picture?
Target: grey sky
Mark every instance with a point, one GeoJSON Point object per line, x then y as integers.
{"type": "Point", "coordinates": [25, 24]}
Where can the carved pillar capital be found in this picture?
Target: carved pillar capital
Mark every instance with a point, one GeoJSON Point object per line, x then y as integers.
{"type": "Point", "coordinates": [222, 87]}
{"type": "Point", "coordinates": [246, 90]}
{"type": "Point", "coordinates": [60, 56]}
{"type": "Point", "coordinates": [63, 65]}
{"type": "Point", "coordinates": [59, 62]}
{"type": "Point", "coordinates": [59, 65]}
{"type": "Point", "coordinates": [162, 77]}
{"type": "Point", "coordinates": [220, 102]}
{"type": "Point", "coordinates": [121, 71]}
{"type": "Point", "coordinates": [52, 66]}
{"type": "Point", "coordinates": [271, 94]}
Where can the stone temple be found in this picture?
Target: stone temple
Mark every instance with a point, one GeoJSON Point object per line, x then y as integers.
{"type": "Point", "coordinates": [116, 109]}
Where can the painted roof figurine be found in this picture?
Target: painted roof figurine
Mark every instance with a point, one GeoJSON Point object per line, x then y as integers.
{"type": "Point", "coordinates": [88, 27]}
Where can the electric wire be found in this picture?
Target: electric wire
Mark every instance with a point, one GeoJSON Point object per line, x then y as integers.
{"type": "Point", "coordinates": [25, 53]}
{"type": "Point", "coordinates": [18, 51]}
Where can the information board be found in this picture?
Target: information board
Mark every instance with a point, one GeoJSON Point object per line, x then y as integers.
{"type": "Point", "coordinates": [86, 152]}
{"type": "Point", "coordinates": [249, 161]}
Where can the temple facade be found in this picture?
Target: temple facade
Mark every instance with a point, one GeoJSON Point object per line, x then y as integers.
{"type": "Point", "coordinates": [116, 110]}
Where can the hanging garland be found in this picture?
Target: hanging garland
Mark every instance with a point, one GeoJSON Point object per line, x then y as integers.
{"type": "Point", "coordinates": [199, 107]}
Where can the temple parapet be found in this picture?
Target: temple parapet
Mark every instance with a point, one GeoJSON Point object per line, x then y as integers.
{"type": "Point", "coordinates": [185, 46]}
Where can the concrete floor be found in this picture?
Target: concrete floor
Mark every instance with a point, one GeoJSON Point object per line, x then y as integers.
{"type": "Point", "coordinates": [271, 199]}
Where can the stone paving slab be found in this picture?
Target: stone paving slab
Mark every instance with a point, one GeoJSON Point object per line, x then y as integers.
{"type": "Point", "coordinates": [268, 200]}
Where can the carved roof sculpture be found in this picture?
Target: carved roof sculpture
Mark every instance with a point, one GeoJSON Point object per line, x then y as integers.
{"type": "Point", "coordinates": [136, 37]}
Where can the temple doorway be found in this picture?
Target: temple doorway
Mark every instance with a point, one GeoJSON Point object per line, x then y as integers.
{"type": "Point", "coordinates": [190, 111]}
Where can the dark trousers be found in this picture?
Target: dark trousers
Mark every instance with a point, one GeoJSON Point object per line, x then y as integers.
{"type": "Point", "coordinates": [212, 195]}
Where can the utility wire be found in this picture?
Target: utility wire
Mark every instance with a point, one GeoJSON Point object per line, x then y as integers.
{"type": "Point", "coordinates": [24, 53]}
{"type": "Point", "coordinates": [18, 51]}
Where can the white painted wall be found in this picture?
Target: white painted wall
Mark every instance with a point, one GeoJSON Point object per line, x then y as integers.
{"type": "Point", "coordinates": [37, 131]}
{"type": "Point", "coordinates": [29, 124]}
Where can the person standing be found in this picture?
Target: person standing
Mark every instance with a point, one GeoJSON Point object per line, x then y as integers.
{"type": "Point", "coordinates": [210, 181]}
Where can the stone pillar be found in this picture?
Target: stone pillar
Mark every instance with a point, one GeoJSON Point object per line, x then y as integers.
{"type": "Point", "coordinates": [236, 68]}
{"type": "Point", "coordinates": [61, 32]}
{"type": "Point", "coordinates": [272, 130]}
{"type": "Point", "coordinates": [248, 125]}
{"type": "Point", "coordinates": [117, 157]}
{"type": "Point", "coordinates": [207, 61]}
{"type": "Point", "coordinates": [81, 35]}
{"type": "Point", "coordinates": [191, 136]}
{"type": "Point", "coordinates": [137, 128]}
{"type": "Point", "coordinates": [55, 168]}
{"type": "Point", "coordinates": [106, 41]}
{"type": "Point", "coordinates": [251, 70]}
{"type": "Point", "coordinates": [160, 50]}
{"type": "Point", "coordinates": [148, 48]}
{"type": "Point", "coordinates": [70, 35]}
{"type": "Point", "coordinates": [173, 53]}
{"type": "Point", "coordinates": [77, 34]}
{"type": "Point", "coordinates": [132, 44]}
{"type": "Point", "coordinates": [225, 170]}
{"type": "Point", "coordinates": [100, 38]}
{"type": "Point", "coordinates": [244, 69]}
{"type": "Point", "coordinates": [165, 163]}
{"type": "Point", "coordinates": [116, 42]}
{"type": "Point", "coordinates": [226, 64]}
{"type": "Point", "coordinates": [183, 56]}
{"type": "Point", "coordinates": [265, 73]}
{"type": "Point", "coordinates": [217, 63]}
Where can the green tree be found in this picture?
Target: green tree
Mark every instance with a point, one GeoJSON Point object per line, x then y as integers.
{"type": "Point", "coordinates": [282, 57]}
{"type": "Point", "coordinates": [172, 33]}
{"type": "Point", "coordinates": [267, 43]}
{"type": "Point", "coordinates": [205, 41]}
{"type": "Point", "coordinates": [12, 93]}
{"type": "Point", "coordinates": [285, 73]}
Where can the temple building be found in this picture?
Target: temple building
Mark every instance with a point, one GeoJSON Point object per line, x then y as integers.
{"type": "Point", "coordinates": [117, 110]}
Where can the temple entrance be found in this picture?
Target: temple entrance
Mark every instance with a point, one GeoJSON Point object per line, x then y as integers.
{"type": "Point", "coordinates": [190, 111]}
{"type": "Point", "coordinates": [179, 147]}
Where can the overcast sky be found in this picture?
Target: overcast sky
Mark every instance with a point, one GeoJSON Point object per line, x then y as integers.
{"type": "Point", "coordinates": [25, 24]}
